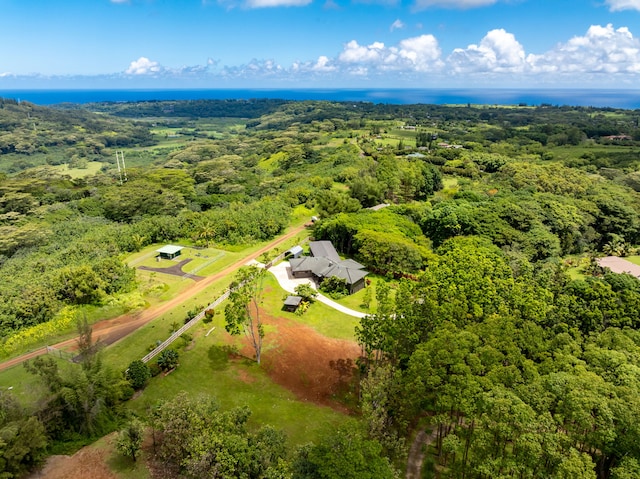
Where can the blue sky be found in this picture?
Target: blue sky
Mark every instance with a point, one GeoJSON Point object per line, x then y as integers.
{"type": "Point", "coordinates": [319, 43]}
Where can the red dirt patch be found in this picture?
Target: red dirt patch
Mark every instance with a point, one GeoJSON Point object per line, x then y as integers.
{"type": "Point", "coordinates": [88, 462]}
{"type": "Point", "coordinates": [315, 368]}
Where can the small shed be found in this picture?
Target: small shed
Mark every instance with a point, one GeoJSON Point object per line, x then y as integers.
{"type": "Point", "coordinates": [294, 252]}
{"type": "Point", "coordinates": [291, 303]}
{"type": "Point", "coordinates": [169, 251]}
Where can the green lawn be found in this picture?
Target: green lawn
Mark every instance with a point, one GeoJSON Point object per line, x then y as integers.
{"type": "Point", "coordinates": [354, 301]}
{"type": "Point", "coordinates": [633, 259]}
{"type": "Point", "coordinates": [26, 387]}
{"type": "Point", "coordinates": [206, 370]}
{"type": "Point", "coordinates": [325, 320]}
{"type": "Point", "coordinates": [202, 261]}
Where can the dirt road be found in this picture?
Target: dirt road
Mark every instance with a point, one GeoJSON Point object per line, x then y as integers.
{"type": "Point", "coordinates": [111, 330]}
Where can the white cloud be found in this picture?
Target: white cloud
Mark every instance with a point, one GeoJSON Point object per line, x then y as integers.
{"type": "Point", "coordinates": [276, 3]}
{"type": "Point", "coordinates": [601, 50]}
{"type": "Point", "coordinates": [413, 54]}
{"type": "Point", "coordinates": [423, 52]}
{"type": "Point", "coordinates": [397, 25]}
{"type": "Point", "coordinates": [323, 65]}
{"type": "Point", "coordinates": [457, 4]}
{"type": "Point", "coordinates": [603, 55]}
{"type": "Point", "coordinates": [143, 66]}
{"type": "Point", "coordinates": [618, 5]}
{"type": "Point", "coordinates": [358, 71]}
{"type": "Point", "coordinates": [254, 69]}
{"type": "Point", "coordinates": [498, 51]}
{"type": "Point", "coordinates": [355, 53]}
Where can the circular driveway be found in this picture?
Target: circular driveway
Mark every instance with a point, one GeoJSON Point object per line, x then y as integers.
{"type": "Point", "coordinates": [282, 272]}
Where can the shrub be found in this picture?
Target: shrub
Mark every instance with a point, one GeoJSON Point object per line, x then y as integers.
{"type": "Point", "coordinates": [138, 374]}
{"type": "Point", "coordinates": [168, 359]}
{"type": "Point", "coordinates": [187, 338]}
{"type": "Point", "coordinates": [192, 313]}
{"type": "Point", "coordinates": [154, 369]}
{"type": "Point", "coordinates": [334, 287]}
{"type": "Point", "coordinates": [306, 292]}
{"type": "Point", "coordinates": [208, 315]}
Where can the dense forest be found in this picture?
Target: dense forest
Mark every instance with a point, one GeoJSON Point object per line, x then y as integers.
{"type": "Point", "coordinates": [493, 323]}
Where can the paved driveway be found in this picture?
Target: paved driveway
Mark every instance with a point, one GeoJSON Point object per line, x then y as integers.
{"type": "Point", "coordinates": [282, 272]}
{"type": "Point", "coordinates": [619, 265]}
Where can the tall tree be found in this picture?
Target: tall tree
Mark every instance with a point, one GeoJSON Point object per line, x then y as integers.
{"type": "Point", "coordinates": [242, 314]}
{"type": "Point", "coordinates": [130, 439]}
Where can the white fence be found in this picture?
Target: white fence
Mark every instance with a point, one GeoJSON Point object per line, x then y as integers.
{"type": "Point", "coordinates": [186, 326]}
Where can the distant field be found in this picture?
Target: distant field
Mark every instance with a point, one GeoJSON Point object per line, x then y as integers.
{"type": "Point", "coordinates": [92, 168]}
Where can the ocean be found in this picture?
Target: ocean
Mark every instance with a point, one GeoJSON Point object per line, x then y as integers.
{"type": "Point", "coordinates": [626, 99]}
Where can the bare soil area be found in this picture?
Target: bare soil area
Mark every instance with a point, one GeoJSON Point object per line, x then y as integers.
{"type": "Point", "coordinates": [88, 462]}
{"type": "Point", "coordinates": [315, 368]}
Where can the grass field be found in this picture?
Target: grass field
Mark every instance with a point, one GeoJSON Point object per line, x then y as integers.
{"type": "Point", "coordinates": [92, 168]}
{"type": "Point", "coordinates": [203, 261]}
{"type": "Point", "coordinates": [354, 301]}
{"type": "Point", "coordinates": [206, 369]}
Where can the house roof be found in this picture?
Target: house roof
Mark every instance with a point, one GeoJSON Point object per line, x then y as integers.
{"type": "Point", "coordinates": [351, 276]}
{"type": "Point", "coordinates": [324, 249]}
{"type": "Point", "coordinates": [169, 249]}
{"type": "Point", "coordinates": [293, 300]}
{"type": "Point", "coordinates": [349, 270]}
{"type": "Point", "coordinates": [325, 263]}
{"type": "Point", "coordinates": [352, 264]}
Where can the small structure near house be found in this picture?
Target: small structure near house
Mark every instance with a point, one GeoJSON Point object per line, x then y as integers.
{"type": "Point", "coordinates": [169, 251]}
{"type": "Point", "coordinates": [294, 252]}
{"type": "Point", "coordinates": [291, 303]}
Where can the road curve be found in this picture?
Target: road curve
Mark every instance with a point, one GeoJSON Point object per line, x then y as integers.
{"type": "Point", "coordinates": [109, 331]}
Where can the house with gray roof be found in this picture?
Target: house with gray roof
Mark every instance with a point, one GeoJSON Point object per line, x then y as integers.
{"type": "Point", "coordinates": [325, 263]}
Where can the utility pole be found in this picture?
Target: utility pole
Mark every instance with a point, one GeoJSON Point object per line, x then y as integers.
{"type": "Point", "coordinates": [122, 169]}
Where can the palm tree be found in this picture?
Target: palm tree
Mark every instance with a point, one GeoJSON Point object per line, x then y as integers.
{"type": "Point", "coordinates": [207, 233]}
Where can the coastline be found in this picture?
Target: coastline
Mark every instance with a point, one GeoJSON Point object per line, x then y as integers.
{"type": "Point", "coordinates": [598, 98]}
